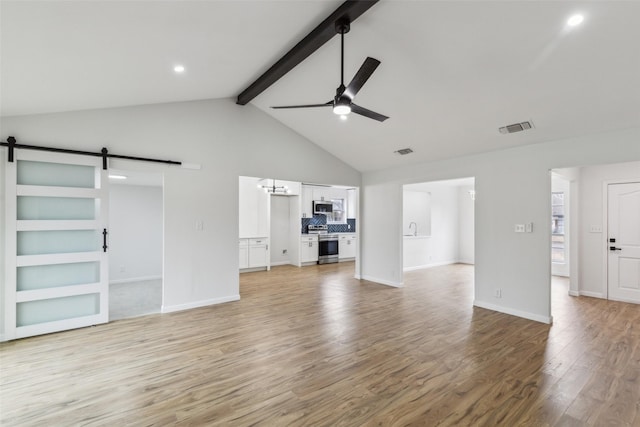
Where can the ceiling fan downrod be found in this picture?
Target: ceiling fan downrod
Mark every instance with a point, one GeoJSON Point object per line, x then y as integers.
{"type": "Point", "coordinates": [342, 27]}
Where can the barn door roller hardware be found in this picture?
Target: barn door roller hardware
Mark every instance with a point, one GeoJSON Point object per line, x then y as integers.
{"type": "Point", "coordinates": [104, 153]}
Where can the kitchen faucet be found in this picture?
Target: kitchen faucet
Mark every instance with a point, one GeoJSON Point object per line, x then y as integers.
{"type": "Point", "coordinates": [415, 231]}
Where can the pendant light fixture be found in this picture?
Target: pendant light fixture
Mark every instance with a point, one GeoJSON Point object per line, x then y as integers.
{"type": "Point", "coordinates": [274, 189]}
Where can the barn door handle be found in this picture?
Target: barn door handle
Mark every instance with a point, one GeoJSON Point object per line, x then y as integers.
{"type": "Point", "coordinates": [104, 240]}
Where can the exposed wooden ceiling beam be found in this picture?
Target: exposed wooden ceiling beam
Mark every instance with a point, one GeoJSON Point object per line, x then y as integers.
{"type": "Point", "coordinates": [350, 10]}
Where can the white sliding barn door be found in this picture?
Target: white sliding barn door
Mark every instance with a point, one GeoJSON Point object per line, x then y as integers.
{"type": "Point", "coordinates": [624, 242]}
{"type": "Point", "coordinates": [56, 266]}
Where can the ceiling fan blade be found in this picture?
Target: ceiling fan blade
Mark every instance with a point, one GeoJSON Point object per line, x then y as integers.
{"type": "Point", "coordinates": [366, 69]}
{"type": "Point", "coordinates": [367, 113]}
{"type": "Point", "coordinates": [328, 104]}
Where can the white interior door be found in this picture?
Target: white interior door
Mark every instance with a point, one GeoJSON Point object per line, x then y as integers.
{"type": "Point", "coordinates": [56, 265]}
{"type": "Point", "coordinates": [624, 242]}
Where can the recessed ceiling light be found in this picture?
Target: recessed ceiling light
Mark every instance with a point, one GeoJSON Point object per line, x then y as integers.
{"type": "Point", "coordinates": [575, 20]}
{"type": "Point", "coordinates": [118, 176]}
{"type": "Point", "coordinates": [178, 69]}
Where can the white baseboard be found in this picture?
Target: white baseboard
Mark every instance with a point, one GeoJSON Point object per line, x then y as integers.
{"type": "Point", "coordinates": [433, 264]}
{"type": "Point", "coordinates": [275, 264]}
{"type": "Point", "coordinates": [2, 338]}
{"type": "Point", "coordinates": [466, 261]}
{"type": "Point", "coordinates": [574, 293]}
{"type": "Point", "coordinates": [629, 300]}
{"type": "Point", "coordinates": [253, 269]}
{"type": "Point", "coordinates": [591, 294]}
{"type": "Point", "coordinates": [383, 282]}
{"type": "Point", "coordinates": [134, 279]}
{"type": "Point", "coordinates": [513, 312]}
{"type": "Point", "coordinates": [197, 304]}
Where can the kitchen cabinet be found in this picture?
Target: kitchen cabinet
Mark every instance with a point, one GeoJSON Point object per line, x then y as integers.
{"type": "Point", "coordinates": [351, 203]}
{"type": "Point", "coordinates": [306, 201]}
{"type": "Point", "coordinates": [253, 208]}
{"type": "Point", "coordinates": [347, 246]}
{"type": "Point", "coordinates": [243, 255]}
{"type": "Point", "coordinates": [253, 253]}
{"type": "Point", "coordinates": [294, 187]}
{"type": "Point", "coordinates": [258, 253]}
{"type": "Point", "coordinates": [309, 248]}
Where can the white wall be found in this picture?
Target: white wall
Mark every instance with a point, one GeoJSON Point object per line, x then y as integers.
{"type": "Point", "coordinates": [227, 140]}
{"type": "Point", "coordinates": [466, 225]}
{"type": "Point", "coordinates": [279, 238]}
{"type": "Point", "coordinates": [451, 235]}
{"type": "Point", "coordinates": [512, 187]}
{"type": "Point", "coordinates": [3, 159]}
{"type": "Point", "coordinates": [416, 207]}
{"type": "Point", "coordinates": [135, 233]}
{"type": "Point", "coordinates": [593, 246]}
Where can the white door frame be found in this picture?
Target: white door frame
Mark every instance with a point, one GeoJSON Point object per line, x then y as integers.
{"type": "Point", "coordinates": [605, 227]}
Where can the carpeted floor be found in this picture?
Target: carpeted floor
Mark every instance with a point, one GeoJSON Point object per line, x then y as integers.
{"type": "Point", "coordinates": [134, 299]}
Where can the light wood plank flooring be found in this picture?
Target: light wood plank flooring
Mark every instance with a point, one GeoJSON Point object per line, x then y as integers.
{"type": "Point", "coordinates": [314, 347]}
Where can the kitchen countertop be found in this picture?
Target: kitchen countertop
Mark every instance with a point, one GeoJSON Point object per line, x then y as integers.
{"type": "Point", "coordinates": [335, 232]}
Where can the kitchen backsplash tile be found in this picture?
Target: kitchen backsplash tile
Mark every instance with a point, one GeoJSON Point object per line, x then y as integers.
{"type": "Point", "coordinates": [333, 228]}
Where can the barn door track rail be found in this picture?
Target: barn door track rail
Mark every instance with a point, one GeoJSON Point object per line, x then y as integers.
{"type": "Point", "coordinates": [104, 153]}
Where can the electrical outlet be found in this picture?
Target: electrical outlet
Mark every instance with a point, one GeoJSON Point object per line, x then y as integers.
{"type": "Point", "coordinates": [529, 227]}
{"type": "Point", "coordinates": [497, 293]}
{"type": "Point", "coordinates": [122, 269]}
{"type": "Point", "coordinates": [595, 229]}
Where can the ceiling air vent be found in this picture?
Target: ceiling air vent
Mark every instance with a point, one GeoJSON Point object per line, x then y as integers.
{"type": "Point", "coordinates": [404, 151]}
{"type": "Point", "coordinates": [517, 127]}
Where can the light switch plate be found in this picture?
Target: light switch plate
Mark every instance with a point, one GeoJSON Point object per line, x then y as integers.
{"type": "Point", "coordinates": [529, 227]}
{"type": "Point", "coordinates": [595, 229]}
{"type": "Point", "coordinates": [519, 228]}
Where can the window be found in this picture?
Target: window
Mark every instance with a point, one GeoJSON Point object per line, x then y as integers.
{"type": "Point", "coordinates": [557, 228]}
{"type": "Point", "coordinates": [339, 214]}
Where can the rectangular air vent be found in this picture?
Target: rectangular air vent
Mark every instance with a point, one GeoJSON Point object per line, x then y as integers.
{"type": "Point", "coordinates": [404, 151]}
{"type": "Point", "coordinates": [516, 127]}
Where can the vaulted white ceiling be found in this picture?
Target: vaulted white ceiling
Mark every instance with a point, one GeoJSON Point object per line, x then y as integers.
{"type": "Point", "coordinates": [452, 72]}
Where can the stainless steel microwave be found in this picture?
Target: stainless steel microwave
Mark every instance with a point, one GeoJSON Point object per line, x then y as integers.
{"type": "Point", "coordinates": [322, 207]}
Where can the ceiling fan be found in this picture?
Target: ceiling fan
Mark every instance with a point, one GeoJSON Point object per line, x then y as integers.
{"type": "Point", "coordinates": [342, 103]}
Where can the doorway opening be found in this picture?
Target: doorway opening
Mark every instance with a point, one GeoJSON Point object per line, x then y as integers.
{"type": "Point", "coordinates": [591, 206]}
{"type": "Point", "coordinates": [438, 224]}
{"type": "Point", "coordinates": [136, 212]}
{"type": "Point", "coordinates": [280, 223]}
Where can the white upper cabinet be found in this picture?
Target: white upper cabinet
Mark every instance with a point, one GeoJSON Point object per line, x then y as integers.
{"type": "Point", "coordinates": [341, 197]}
{"type": "Point", "coordinates": [293, 187]}
{"type": "Point", "coordinates": [306, 201]}
{"type": "Point", "coordinates": [253, 207]}
{"type": "Point", "coordinates": [352, 210]}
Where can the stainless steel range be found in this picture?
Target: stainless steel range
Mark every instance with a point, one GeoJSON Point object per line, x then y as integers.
{"type": "Point", "coordinates": [317, 229]}
{"type": "Point", "coordinates": [327, 244]}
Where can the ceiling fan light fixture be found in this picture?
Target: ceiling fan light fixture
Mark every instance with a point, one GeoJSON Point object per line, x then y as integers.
{"type": "Point", "coordinates": [341, 110]}
{"type": "Point", "coordinates": [342, 107]}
